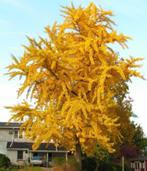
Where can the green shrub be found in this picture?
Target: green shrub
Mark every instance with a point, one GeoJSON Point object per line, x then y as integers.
{"type": "Point", "coordinates": [110, 166]}
{"type": "Point", "coordinates": [4, 161]}
{"type": "Point", "coordinates": [89, 164]}
{"type": "Point", "coordinates": [59, 161]}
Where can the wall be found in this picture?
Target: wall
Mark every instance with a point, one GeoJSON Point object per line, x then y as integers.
{"type": "Point", "coordinates": [12, 156]}
{"type": "Point", "coordinates": [4, 137]}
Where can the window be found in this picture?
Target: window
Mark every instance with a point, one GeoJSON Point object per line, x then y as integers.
{"type": "Point", "coordinates": [19, 155]}
{"type": "Point", "coordinates": [35, 154]}
{"type": "Point", "coordinates": [136, 165]}
{"type": "Point", "coordinates": [49, 156]}
{"type": "Point", "coordinates": [132, 165]}
{"type": "Point", "coordinates": [16, 134]}
{"type": "Point", "coordinates": [142, 166]}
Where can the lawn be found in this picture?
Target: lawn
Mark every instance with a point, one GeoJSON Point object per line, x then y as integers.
{"type": "Point", "coordinates": [24, 169]}
{"type": "Point", "coordinates": [31, 169]}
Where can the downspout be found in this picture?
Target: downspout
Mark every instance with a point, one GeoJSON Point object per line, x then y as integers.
{"type": "Point", "coordinates": [12, 139]}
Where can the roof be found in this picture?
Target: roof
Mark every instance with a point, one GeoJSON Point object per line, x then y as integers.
{"type": "Point", "coordinates": [28, 146]}
{"type": "Point", "coordinates": [139, 158]}
{"type": "Point", "coordinates": [10, 124]}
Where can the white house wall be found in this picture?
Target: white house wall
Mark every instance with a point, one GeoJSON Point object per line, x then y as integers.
{"type": "Point", "coordinates": [12, 156]}
{"type": "Point", "coordinates": [4, 137]}
{"type": "Point", "coordinates": [3, 149]}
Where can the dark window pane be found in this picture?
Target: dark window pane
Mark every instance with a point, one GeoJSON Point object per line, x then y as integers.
{"type": "Point", "coordinates": [49, 156]}
{"type": "Point", "coordinates": [15, 134]}
{"type": "Point", "coordinates": [19, 155]}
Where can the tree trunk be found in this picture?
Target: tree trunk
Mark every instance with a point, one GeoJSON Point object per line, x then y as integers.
{"type": "Point", "coordinates": [78, 156]}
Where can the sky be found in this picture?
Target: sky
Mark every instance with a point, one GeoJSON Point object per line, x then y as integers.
{"type": "Point", "coordinates": [21, 18]}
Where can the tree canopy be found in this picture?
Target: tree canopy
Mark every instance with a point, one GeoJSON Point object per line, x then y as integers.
{"type": "Point", "coordinates": [74, 77]}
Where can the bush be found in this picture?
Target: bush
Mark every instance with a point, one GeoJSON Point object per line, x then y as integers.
{"type": "Point", "coordinates": [61, 161]}
{"type": "Point", "coordinates": [89, 164]}
{"type": "Point", "coordinates": [110, 166]}
{"type": "Point", "coordinates": [4, 161]}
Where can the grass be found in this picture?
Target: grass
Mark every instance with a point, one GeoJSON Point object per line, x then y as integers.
{"type": "Point", "coordinates": [3, 169]}
{"type": "Point", "coordinates": [31, 169]}
{"type": "Point", "coordinates": [23, 169]}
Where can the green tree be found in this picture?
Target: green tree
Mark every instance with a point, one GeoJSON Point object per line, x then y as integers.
{"type": "Point", "coordinates": [133, 143]}
{"type": "Point", "coordinates": [139, 138]}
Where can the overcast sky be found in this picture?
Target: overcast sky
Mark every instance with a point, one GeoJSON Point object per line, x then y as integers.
{"type": "Point", "coordinates": [19, 18]}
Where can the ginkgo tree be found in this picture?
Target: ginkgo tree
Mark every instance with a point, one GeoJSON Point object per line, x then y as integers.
{"type": "Point", "coordinates": [74, 77]}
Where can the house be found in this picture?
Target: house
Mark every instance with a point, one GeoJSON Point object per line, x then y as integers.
{"type": "Point", "coordinates": [19, 149]}
{"type": "Point", "coordinates": [139, 164]}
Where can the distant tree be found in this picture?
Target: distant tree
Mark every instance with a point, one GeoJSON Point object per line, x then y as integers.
{"type": "Point", "coordinates": [133, 143]}
{"type": "Point", "coordinates": [129, 151]}
{"type": "Point", "coordinates": [139, 138]}
{"type": "Point", "coordinates": [74, 76]}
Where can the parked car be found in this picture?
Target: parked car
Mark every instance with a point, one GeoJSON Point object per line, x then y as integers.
{"type": "Point", "coordinates": [36, 160]}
